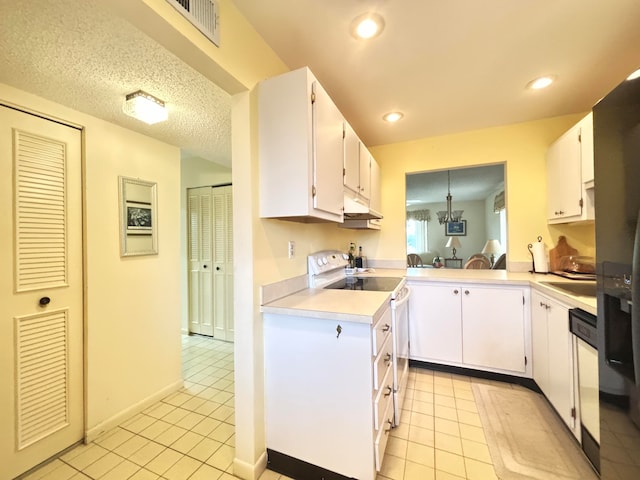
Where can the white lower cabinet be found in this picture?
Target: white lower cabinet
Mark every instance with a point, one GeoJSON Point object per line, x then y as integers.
{"type": "Point", "coordinates": [329, 391]}
{"type": "Point", "coordinates": [435, 323]}
{"type": "Point", "coordinates": [553, 355]}
{"type": "Point", "coordinates": [474, 326]}
{"type": "Point", "coordinates": [493, 328]}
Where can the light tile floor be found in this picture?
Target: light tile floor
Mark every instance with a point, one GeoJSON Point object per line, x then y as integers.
{"type": "Point", "coordinates": [190, 434]}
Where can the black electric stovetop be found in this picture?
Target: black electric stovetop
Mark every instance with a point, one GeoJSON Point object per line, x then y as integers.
{"type": "Point", "coordinates": [376, 284]}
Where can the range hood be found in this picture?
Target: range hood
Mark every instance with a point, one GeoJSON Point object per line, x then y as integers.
{"type": "Point", "coordinates": [355, 209]}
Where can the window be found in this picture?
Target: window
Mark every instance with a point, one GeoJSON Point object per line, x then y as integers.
{"type": "Point", "coordinates": [417, 231]}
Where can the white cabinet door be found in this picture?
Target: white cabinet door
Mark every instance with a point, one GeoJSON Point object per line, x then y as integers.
{"type": "Point", "coordinates": [435, 323]}
{"type": "Point", "coordinates": [351, 159]}
{"type": "Point", "coordinates": [375, 199]}
{"type": "Point", "coordinates": [540, 340]}
{"type": "Point", "coordinates": [493, 328]}
{"type": "Point", "coordinates": [553, 355]}
{"type": "Point", "coordinates": [365, 172]}
{"type": "Point", "coordinates": [564, 176]}
{"type": "Point", "coordinates": [586, 148]}
{"type": "Point", "coordinates": [357, 165]}
{"type": "Point", "coordinates": [328, 151]}
{"type": "Point", "coordinates": [560, 386]}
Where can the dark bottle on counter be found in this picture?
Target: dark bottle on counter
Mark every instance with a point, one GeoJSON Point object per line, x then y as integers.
{"type": "Point", "coordinates": [352, 253]}
{"type": "Point", "coordinates": [360, 258]}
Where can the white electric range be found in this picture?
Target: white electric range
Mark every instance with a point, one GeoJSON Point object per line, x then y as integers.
{"type": "Point", "coordinates": [329, 269]}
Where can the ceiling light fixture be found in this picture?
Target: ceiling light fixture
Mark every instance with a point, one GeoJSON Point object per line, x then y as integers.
{"type": "Point", "coordinates": [392, 117]}
{"type": "Point", "coordinates": [542, 82]}
{"type": "Point", "coordinates": [634, 75]}
{"type": "Point", "coordinates": [449, 215]}
{"type": "Point", "coordinates": [367, 25]}
{"type": "Point", "coordinates": [145, 107]}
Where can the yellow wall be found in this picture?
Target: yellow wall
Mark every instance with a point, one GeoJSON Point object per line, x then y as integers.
{"type": "Point", "coordinates": [132, 333]}
{"type": "Point", "coordinates": [521, 147]}
{"type": "Point", "coordinates": [133, 348]}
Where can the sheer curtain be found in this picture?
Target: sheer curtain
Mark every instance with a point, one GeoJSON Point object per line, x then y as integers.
{"type": "Point", "coordinates": [417, 231]}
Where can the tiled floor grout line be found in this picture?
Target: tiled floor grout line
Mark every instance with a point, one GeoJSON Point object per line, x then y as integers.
{"type": "Point", "coordinates": [181, 437]}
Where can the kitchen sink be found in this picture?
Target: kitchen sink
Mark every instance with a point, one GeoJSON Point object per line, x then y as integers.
{"type": "Point", "coordinates": [580, 289]}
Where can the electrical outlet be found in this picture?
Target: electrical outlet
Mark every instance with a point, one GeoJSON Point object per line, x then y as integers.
{"type": "Point", "coordinates": [292, 248]}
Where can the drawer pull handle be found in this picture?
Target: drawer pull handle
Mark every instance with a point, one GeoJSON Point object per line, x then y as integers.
{"type": "Point", "coordinates": [466, 292]}
{"type": "Point", "coordinates": [455, 292]}
{"type": "Point", "coordinates": [387, 358]}
{"type": "Point", "coordinates": [386, 328]}
{"type": "Point", "coordinates": [389, 390]}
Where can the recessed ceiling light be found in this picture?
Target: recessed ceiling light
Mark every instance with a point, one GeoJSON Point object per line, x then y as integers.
{"type": "Point", "coordinates": [634, 75]}
{"type": "Point", "coordinates": [542, 82]}
{"type": "Point", "coordinates": [367, 25]}
{"type": "Point", "coordinates": [392, 117]}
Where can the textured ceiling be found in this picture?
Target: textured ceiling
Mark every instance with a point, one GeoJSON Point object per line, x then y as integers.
{"type": "Point", "coordinates": [80, 55]}
{"type": "Point", "coordinates": [454, 65]}
{"type": "Point", "coordinates": [450, 66]}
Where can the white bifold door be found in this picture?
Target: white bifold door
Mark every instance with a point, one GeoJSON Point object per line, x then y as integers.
{"type": "Point", "coordinates": [41, 333]}
{"type": "Point", "coordinates": [210, 258]}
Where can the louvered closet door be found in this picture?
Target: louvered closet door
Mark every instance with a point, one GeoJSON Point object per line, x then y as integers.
{"type": "Point", "coordinates": [200, 260]}
{"type": "Point", "coordinates": [41, 389]}
{"type": "Point", "coordinates": [223, 263]}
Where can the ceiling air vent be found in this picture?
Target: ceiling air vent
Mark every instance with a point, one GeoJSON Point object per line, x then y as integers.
{"type": "Point", "coordinates": [203, 14]}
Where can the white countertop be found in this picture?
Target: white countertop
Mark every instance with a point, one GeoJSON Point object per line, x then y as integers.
{"type": "Point", "coordinates": [343, 305]}
{"type": "Point", "coordinates": [366, 307]}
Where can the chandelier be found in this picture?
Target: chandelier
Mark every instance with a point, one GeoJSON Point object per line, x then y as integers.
{"type": "Point", "coordinates": [449, 215]}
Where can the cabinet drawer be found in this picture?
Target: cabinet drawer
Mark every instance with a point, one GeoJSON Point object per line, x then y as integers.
{"type": "Point", "coordinates": [383, 398]}
{"type": "Point", "coordinates": [383, 436]}
{"type": "Point", "coordinates": [382, 362]}
{"type": "Point", "coordinates": [381, 330]}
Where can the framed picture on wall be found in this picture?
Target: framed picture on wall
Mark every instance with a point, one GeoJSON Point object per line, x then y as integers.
{"type": "Point", "coordinates": [138, 217]}
{"type": "Point", "coordinates": [455, 228]}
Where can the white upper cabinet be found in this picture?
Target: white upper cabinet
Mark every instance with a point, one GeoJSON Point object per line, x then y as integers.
{"type": "Point", "coordinates": [351, 159]}
{"type": "Point", "coordinates": [375, 200]}
{"type": "Point", "coordinates": [586, 144]}
{"type": "Point", "coordinates": [365, 172]}
{"type": "Point", "coordinates": [300, 150]}
{"type": "Point", "coordinates": [357, 166]}
{"type": "Point", "coordinates": [570, 175]}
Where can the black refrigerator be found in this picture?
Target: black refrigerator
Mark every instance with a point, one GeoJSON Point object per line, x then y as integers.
{"type": "Point", "coordinates": [616, 121]}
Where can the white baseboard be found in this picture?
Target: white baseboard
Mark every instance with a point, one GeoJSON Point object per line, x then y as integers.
{"type": "Point", "coordinates": [248, 471]}
{"type": "Point", "coordinates": [94, 432]}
